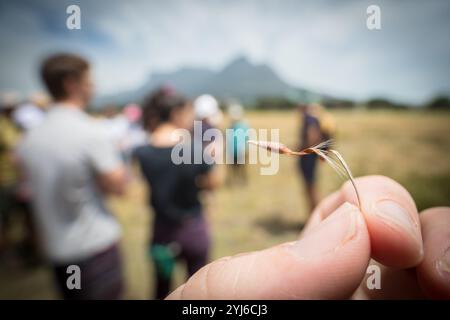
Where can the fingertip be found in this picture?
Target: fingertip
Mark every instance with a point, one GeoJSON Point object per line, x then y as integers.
{"type": "Point", "coordinates": [336, 251]}
{"type": "Point", "coordinates": [337, 229]}
{"type": "Point", "coordinates": [323, 210]}
{"type": "Point", "coordinates": [392, 220]}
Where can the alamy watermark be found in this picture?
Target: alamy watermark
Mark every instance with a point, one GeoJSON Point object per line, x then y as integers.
{"type": "Point", "coordinates": [373, 21]}
{"type": "Point", "coordinates": [373, 281]}
{"type": "Point", "coordinates": [198, 146]}
{"type": "Point", "coordinates": [73, 21]}
{"type": "Point", "coordinates": [74, 279]}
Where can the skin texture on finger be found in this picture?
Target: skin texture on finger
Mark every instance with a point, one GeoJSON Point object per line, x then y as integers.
{"type": "Point", "coordinates": [434, 271]}
{"type": "Point", "coordinates": [328, 263]}
{"type": "Point", "coordinates": [391, 217]}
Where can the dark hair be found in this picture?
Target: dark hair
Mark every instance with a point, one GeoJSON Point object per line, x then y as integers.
{"type": "Point", "coordinates": [159, 105]}
{"type": "Point", "coordinates": [56, 69]}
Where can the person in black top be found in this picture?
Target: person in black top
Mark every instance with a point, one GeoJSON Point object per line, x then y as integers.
{"type": "Point", "coordinates": [179, 227]}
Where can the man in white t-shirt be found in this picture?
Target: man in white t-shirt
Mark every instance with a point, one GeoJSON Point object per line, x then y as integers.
{"type": "Point", "coordinates": [71, 164]}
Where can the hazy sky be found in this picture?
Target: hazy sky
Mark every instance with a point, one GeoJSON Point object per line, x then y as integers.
{"type": "Point", "coordinates": [319, 45]}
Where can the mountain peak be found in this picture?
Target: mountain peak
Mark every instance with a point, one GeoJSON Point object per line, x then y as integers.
{"type": "Point", "coordinates": [240, 79]}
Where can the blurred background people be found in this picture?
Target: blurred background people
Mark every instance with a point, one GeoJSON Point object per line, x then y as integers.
{"type": "Point", "coordinates": [326, 121]}
{"type": "Point", "coordinates": [26, 116]}
{"type": "Point", "coordinates": [116, 124]}
{"type": "Point", "coordinates": [71, 164]}
{"type": "Point", "coordinates": [15, 208]}
{"type": "Point", "coordinates": [238, 145]}
{"type": "Point", "coordinates": [124, 127]}
{"type": "Point", "coordinates": [317, 126]}
{"type": "Point", "coordinates": [207, 111]}
{"type": "Point", "coordinates": [31, 113]}
{"type": "Point", "coordinates": [9, 136]}
{"type": "Point", "coordinates": [135, 135]}
{"type": "Point", "coordinates": [179, 227]}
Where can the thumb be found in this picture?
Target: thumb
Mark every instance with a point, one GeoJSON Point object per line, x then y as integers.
{"type": "Point", "coordinates": [327, 263]}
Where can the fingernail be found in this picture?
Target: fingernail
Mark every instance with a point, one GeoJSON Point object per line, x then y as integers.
{"type": "Point", "coordinates": [443, 264]}
{"type": "Point", "coordinates": [335, 231]}
{"type": "Point", "coordinates": [391, 212]}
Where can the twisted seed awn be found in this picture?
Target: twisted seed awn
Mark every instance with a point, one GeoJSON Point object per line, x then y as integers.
{"type": "Point", "coordinates": [323, 150]}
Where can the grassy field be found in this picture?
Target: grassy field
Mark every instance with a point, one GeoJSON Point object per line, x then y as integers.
{"type": "Point", "coordinates": [411, 147]}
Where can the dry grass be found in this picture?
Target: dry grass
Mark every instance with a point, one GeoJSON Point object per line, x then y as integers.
{"type": "Point", "coordinates": [412, 148]}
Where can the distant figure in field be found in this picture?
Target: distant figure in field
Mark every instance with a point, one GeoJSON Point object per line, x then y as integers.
{"type": "Point", "coordinates": [125, 128]}
{"type": "Point", "coordinates": [71, 165]}
{"type": "Point", "coordinates": [180, 230]}
{"type": "Point", "coordinates": [317, 126]}
{"type": "Point", "coordinates": [207, 111]}
{"type": "Point", "coordinates": [237, 144]}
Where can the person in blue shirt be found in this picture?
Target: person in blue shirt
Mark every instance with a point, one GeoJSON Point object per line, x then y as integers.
{"type": "Point", "coordinates": [237, 143]}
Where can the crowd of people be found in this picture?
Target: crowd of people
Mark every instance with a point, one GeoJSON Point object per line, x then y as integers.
{"type": "Point", "coordinates": [58, 164]}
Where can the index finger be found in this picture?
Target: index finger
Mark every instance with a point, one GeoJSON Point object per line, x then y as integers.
{"type": "Point", "coordinates": [391, 216]}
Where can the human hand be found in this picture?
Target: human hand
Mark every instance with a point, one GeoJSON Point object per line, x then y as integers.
{"type": "Point", "coordinates": [331, 256]}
